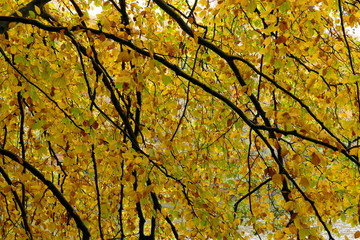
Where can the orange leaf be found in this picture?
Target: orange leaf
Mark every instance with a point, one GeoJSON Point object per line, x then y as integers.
{"type": "Point", "coordinates": [191, 20]}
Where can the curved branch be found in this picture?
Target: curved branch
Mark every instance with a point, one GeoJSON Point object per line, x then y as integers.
{"type": "Point", "coordinates": [228, 58]}
{"type": "Point", "coordinates": [249, 193]}
{"type": "Point", "coordinates": [71, 211]}
{"type": "Point", "coordinates": [4, 26]}
{"type": "Point", "coordinates": [18, 201]}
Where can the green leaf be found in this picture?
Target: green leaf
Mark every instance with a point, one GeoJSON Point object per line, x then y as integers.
{"type": "Point", "coordinates": [32, 14]}
{"type": "Point", "coordinates": [76, 111]}
{"type": "Point", "coordinates": [29, 40]}
{"type": "Point", "coordinates": [38, 124]}
{"type": "Point", "coordinates": [119, 85]}
{"type": "Point", "coordinates": [19, 59]}
{"type": "Point", "coordinates": [285, 6]}
{"type": "Point", "coordinates": [166, 80]}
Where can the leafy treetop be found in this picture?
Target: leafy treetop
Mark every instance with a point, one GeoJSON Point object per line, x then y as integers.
{"type": "Point", "coordinates": [178, 119]}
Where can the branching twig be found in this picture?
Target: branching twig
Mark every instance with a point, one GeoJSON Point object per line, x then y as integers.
{"type": "Point", "coordinates": [71, 211]}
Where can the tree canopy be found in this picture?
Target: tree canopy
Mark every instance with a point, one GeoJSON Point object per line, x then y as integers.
{"type": "Point", "coordinates": [169, 119]}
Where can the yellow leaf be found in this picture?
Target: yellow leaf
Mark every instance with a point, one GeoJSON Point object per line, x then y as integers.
{"type": "Point", "coordinates": [277, 179]}
{"type": "Point", "coordinates": [37, 10]}
{"type": "Point", "coordinates": [251, 5]}
{"type": "Point", "coordinates": [357, 234]}
{"type": "Point", "coordinates": [196, 38]}
{"type": "Point", "coordinates": [279, 235]}
{"type": "Point", "coordinates": [12, 24]}
{"type": "Point", "coordinates": [293, 229]}
{"type": "Point", "coordinates": [244, 89]}
{"type": "Point", "coordinates": [124, 57]}
{"type": "Point", "coordinates": [289, 205]}
{"type": "Point", "coordinates": [18, 13]}
{"type": "Point", "coordinates": [138, 160]}
{"type": "Point", "coordinates": [284, 152]}
{"type": "Point", "coordinates": [354, 79]}
{"type": "Point", "coordinates": [311, 83]}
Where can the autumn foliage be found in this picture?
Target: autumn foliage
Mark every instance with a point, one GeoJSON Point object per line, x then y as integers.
{"type": "Point", "coordinates": [169, 119]}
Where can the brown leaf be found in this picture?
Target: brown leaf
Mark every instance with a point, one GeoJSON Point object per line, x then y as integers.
{"type": "Point", "coordinates": [269, 171]}
{"type": "Point", "coordinates": [280, 39]}
{"type": "Point", "coordinates": [315, 159]}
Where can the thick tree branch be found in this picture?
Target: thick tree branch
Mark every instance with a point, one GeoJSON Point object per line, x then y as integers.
{"type": "Point", "coordinates": [228, 58]}
{"type": "Point", "coordinates": [19, 202]}
{"type": "Point", "coordinates": [71, 211]}
{"type": "Point", "coordinates": [4, 25]}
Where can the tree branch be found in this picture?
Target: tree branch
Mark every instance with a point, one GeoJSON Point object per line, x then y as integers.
{"type": "Point", "coordinates": [4, 25]}
{"type": "Point", "coordinates": [71, 211]}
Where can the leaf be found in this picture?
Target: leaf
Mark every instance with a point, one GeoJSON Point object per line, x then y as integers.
{"type": "Point", "coordinates": [95, 125]}
{"type": "Point", "coordinates": [191, 20]}
{"type": "Point", "coordinates": [229, 122]}
{"type": "Point", "coordinates": [18, 13]}
{"type": "Point", "coordinates": [270, 171]}
{"type": "Point", "coordinates": [304, 182]}
{"type": "Point", "coordinates": [76, 111]}
{"type": "Point", "coordinates": [37, 10]}
{"type": "Point", "coordinates": [289, 206]}
{"type": "Point", "coordinates": [311, 83]}
{"type": "Point", "coordinates": [281, 39]}
{"type": "Point", "coordinates": [30, 40]}
{"type": "Point", "coordinates": [239, 124]}
{"type": "Point", "coordinates": [89, 52]}
{"type": "Point", "coordinates": [315, 159]}
{"type": "Point", "coordinates": [38, 124]}
{"type": "Point", "coordinates": [277, 179]}
{"type": "Point", "coordinates": [285, 6]}
{"type": "Point", "coordinates": [354, 79]}
{"type": "Point", "coordinates": [251, 5]}
{"type": "Point", "coordinates": [166, 80]}
{"type": "Point", "coordinates": [19, 59]}
{"type": "Point", "coordinates": [284, 152]}
{"type": "Point", "coordinates": [357, 234]}
{"type": "Point", "coordinates": [124, 57]}
{"type": "Point", "coordinates": [32, 14]}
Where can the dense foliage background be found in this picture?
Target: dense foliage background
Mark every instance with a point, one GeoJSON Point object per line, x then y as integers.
{"type": "Point", "coordinates": [168, 119]}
